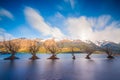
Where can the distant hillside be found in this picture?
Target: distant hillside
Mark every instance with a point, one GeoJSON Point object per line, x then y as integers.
{"type": "Point", "coordinates": [65, 43]}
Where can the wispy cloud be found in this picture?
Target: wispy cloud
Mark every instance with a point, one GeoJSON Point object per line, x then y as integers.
{"type": "Point", "coordinates": [59, 15]}
{"type": "Point", "coordinates": [57, 20]}
{"type": "Point", "coordinates": [5, 35]}
{"type": "Point", "coordinates": [82, 28]}
{"type": "Point", "coordinates": [6, 13]}
{"type": "Point", "coordinates": [37, 21]}
{"type": "Point", "coordinates": [24, 31]}
{"type": "Point", "coordinates": [100, 23]}
{"type": "Point", "coordinates": [71, 2]}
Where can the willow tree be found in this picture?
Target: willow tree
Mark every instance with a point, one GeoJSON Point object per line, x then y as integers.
{"type": "Point", "coordinates": [1, 47]}
{"type": "Point", "coordinates": [53, 47]}
{"type": "Point", "coordinates": [33, 48]}
{"type": "Point", "coordinates": [72, 49]}
{"type": "Point", "coordinates": [12, 46]}
{"type": "Point", "coordinates": [110, 48]}
{"type": "Point", "coordinates": [87, 47]}
{"type": "Point", "coordinates": [72, 45]}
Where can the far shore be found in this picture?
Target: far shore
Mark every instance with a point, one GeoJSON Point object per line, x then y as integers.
{"type": "Point", "coordinates": [116, 54]}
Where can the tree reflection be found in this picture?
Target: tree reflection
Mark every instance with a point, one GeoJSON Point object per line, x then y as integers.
{"type": "Point", "coordinates": [32, 71]}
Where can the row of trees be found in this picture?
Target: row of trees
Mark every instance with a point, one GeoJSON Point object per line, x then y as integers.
{"type": "Point", "coordinates": [13, 46]}
{"type": "Point", "coordinates": [54, 47]}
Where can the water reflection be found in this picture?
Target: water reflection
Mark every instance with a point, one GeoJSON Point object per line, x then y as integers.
{"type": "Point", "coordinates": [88, 68]}
{"type": "Point", "coordinates": [65, 68]}
{"type": "Point", "coordinates": [52, 70]}
{"type": "Point", "coordinates": [9, 71]}
{"type": "Point", "coordinates": [32, 71]}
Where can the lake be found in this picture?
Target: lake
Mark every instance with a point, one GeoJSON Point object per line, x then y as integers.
{"type": "Point", "coordinates": [65, 68]}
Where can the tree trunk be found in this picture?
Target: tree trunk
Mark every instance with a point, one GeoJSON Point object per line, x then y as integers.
{"type": "Point", "coordinates": [110, 56]}
{"type": "Point", "coordinates": [34, 57]}
{"type": "Point", "coordinates": [73, 56]}
{"type": "Point", "coordinates": [88, 56]}
{"type": "Point", "coordinates": [53, 56]}
{"type": "Point", "coordinates": [12, 57]}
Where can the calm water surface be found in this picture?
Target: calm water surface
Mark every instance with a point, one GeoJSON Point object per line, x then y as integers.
{"type": "Point", "coordinates": [98, 68]}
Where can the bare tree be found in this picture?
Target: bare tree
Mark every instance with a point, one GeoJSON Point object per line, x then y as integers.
{"type": "Point", "coordinates": [33, 48]}
{"type": "Point", "coordinates": [53, 47]}
{"type": "Point", "coordinates": [88, 47]}
{"type": "Point", "coordinates": [72, 46]}
{"type": "Point", "coordinates": [109, 48]}
{"type": "Point", "coordinates": [1, 47]}
{"type": "Point", "coordinates": [12, 46]}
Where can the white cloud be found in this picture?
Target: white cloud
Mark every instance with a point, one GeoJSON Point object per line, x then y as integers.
{"type": "Point", "coordinates": [4, 12]}
{"type": "Point", "coordinates": [36, 21]}
{"type": "Point", "coordinates": [72, 3]}
{"type": "Point", "coordinates": [78, 27]}
{"type": "Point", "coordinates": [85, 28]}
{"type": "Point", "coordinates": [5, 35]}
{"type": "Point", "coordinates": [82, 28]}
{"type": "Point", "coordinates": [100, 23]}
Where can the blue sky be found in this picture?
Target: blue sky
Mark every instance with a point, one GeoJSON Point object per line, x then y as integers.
{"type": "Point", "coordinates": [73, 19]}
